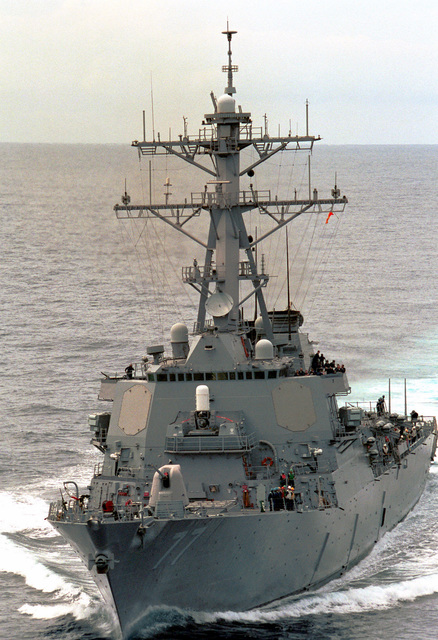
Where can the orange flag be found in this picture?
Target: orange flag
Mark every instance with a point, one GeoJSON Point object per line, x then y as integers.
{"type": "Point", "coordinates": [328, 217]}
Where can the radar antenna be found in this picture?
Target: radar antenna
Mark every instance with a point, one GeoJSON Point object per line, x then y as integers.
{"type": "Point", "coordinates": [229, 68]}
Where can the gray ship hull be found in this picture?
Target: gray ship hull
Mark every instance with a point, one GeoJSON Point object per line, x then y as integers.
{"type": "Point", "coordinates": [243, 560]}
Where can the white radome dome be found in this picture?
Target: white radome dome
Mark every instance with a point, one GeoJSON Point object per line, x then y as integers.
{"type": "Point", "coordinates": [264, 350]}
{"type": "Point", "coordinates": [226, 104]}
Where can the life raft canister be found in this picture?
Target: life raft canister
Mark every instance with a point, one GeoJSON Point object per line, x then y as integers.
{"type": "Point", "coordinates": [108, 506]}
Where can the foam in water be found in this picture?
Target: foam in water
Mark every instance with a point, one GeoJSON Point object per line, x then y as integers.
{"type": "Point", "coordinates": [22, 562]}
{"type": "Point", "coordinates": [20, 511]}
{"type": "Point", "coordinates": [21, 514]}
{"type": "Point", "coordinates": [59, 597]}
{"type": "Point", "coordinates": [350, 601]}
{"type": "Point", "coordinates": [79, 605]}
{"type": "Point", "coordinates": [157, 620]}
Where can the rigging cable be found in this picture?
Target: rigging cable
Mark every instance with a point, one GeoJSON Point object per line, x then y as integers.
{"type": "Point", "coordinates": [279, 247]}
{"type": "Point", "coordinates": [162, 260]}
{"type": "Point", "coordinates": [143, 287]}
{"type": "Point", "coordinates": [165, 260]}
{"type": "Point", "coordinates": [302, 235]}
{"type": "Point", "coordinates": [328, 252]}
{"type": "Point", "coordinates": [306, 259]}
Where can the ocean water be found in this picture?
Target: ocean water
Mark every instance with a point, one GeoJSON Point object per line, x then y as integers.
{"type": "Point", "coordinates": [82, 293]}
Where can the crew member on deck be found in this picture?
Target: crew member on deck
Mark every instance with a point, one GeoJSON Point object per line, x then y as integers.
{"type": "Point", "coordinates": [315, 361]}
{"type": "Point", "coordinates": [380, 406]}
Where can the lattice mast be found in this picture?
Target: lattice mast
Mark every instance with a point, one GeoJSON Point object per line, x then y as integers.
{"type": "Point", "coordinates": [226, 133]}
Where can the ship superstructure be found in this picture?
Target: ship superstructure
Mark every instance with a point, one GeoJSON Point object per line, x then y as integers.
{"type": "Point", "coordinates": [231, 475]}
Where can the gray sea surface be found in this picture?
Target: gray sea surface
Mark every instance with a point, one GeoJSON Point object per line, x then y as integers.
{"type": "Point", "coordinates": [82, 292]}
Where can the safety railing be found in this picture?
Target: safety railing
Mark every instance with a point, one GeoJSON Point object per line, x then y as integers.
{"type": "Point", "coordinates": [74, 511]}
{"type": "Point", "coordinates": [221, 199]}
{"type": "Point", "coordinates": [209, 444]}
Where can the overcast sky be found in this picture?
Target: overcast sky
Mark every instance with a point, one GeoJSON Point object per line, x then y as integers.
{"type": "Point", "coordinates": [82, 70]}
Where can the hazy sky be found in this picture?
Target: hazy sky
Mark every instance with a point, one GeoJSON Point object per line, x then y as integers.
{"type": "Point", "coordinates": [82, 70]}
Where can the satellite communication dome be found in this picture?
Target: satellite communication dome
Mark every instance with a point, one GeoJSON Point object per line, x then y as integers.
{"type": "Point", "coordinates": [179, 339]}
{"type": "Point", "coordinates": [226, 104]}
{"type": "Point", "coordinates": [179, 333]}
{"type": "Point", "coordinates": [264, 350]}
{"type": "Point", "coordinates": [258, 324]}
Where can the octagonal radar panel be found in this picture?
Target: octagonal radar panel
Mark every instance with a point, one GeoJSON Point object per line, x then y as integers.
{"type": "Point", "coordinates": [219, 304]}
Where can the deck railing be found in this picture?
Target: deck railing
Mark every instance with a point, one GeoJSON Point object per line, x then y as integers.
{"type": "Point", "coordinates": [209, 444]}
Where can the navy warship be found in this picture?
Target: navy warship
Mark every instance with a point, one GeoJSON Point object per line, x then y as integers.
{"type": "Point", "coordinates": [235, 469]}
